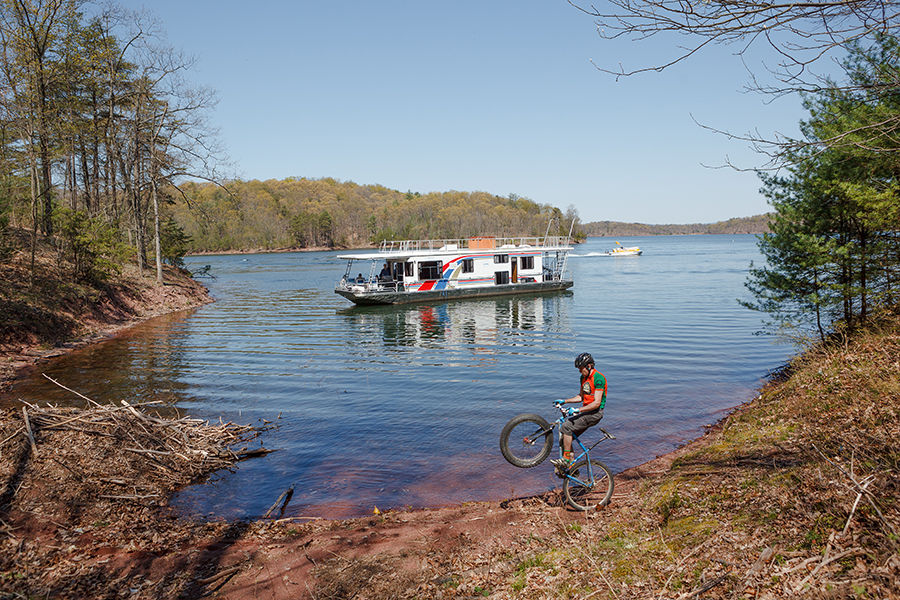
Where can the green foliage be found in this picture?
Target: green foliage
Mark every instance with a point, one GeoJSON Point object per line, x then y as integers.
{"type": "Point", "coordinates": [174, 242]}
{"type": "Point", "coordinates": [834, 249]}
{"type": "Point", "coordinates": [90, 245]}
{"type": "Point", "coordinates": [309, 229]}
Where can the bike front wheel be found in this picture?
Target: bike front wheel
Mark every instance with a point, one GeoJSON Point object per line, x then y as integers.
{"type": "Point", "coordinates": [526, 440]}
{"type": "Point", "coordinates": [583, 493]}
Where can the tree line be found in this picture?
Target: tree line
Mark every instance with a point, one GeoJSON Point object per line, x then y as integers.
{"type": "Point", "coordinates": [310, 213]}
{"type": "Point", "coordinates": [97, 125]}
{"type": "Point", "coordinates": [755, 224]}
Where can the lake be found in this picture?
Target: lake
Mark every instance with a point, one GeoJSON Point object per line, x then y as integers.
{"type": "Point", "coordinates": [402, 406]}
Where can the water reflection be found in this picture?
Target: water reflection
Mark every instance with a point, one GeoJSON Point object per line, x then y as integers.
{"type": "Point", "coordinates": [142, 364]}
{"type": "Point", "coordinates": [475, 324]}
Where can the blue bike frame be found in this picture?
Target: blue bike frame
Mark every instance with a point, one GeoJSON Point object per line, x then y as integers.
{"type": "Point", "coordinates": [585, 453]}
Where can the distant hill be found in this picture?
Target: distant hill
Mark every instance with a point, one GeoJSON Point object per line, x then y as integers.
{"type": "Point", "coordinates": [754, 224]}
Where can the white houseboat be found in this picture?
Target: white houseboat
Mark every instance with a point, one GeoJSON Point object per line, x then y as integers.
{"type": "Point", "coordinates": [420, 270]}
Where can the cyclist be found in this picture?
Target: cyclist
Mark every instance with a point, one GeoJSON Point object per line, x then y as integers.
{"type": "Point", "coordinates": [592, 397]}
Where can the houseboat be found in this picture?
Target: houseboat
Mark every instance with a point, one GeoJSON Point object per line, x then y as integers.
{"type": "Point", "coordinates": [407, 271]}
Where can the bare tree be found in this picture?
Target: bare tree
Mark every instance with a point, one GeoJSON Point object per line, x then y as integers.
{"type": "Point", "coordinates": [808, 38]}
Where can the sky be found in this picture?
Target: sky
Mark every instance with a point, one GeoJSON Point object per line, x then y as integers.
{"type": "Point", "coordinates": [501, 96]}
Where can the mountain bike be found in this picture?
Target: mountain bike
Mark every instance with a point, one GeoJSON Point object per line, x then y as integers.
{"type": "Point", "coordinates": [526, 442]}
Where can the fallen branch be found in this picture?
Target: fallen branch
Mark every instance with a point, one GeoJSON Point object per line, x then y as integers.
{"type": "Point", "coordinates": [827, 561]}
{"type": "Point", "coordinates": [705, 587]}
{"type": "Point", "coordinates": [70, 390]}
{"type": "Point", "coordinates": [286, 494]}
{"type": "Point", "coordinates": [224, 573]}
{"type": "Point", "coordinates": [859, 496]}
{"type": "Point", "coordinates": [28, 431]}
{"type": "Point", "coordinates": [862, 490]}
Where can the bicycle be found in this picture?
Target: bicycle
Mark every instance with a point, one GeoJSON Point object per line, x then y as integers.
{"type": "Point", "coordinates": [584, 476]}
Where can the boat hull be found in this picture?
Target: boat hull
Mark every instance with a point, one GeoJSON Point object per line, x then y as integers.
{"type": "Point", "coordinates": [393, 297]}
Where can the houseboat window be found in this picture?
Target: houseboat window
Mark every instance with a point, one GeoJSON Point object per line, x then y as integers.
{"type": "Point", "coordinates": [527, 262]}
{"type": "Point", "coordinates": [468, 265]}
{"type": "Point", "coordinates": [430, 270]}
{"type": "Point", "coordinates": [501, 277]}
{"type": "Point", "coordinates": [409, 268]}
{"type": "Point", "coordinates": [501, 258]}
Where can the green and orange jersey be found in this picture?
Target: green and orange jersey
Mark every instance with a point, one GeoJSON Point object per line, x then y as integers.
{"type": "Point", "coordinates": [589, 384]}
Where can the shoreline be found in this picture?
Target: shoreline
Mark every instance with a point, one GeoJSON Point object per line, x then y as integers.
{"type": "Point", "coordinates": [158, 555]}
{"type": "Point", "coordinates": [140, 300]}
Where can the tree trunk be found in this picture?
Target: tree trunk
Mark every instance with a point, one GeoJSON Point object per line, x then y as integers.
{"type": "Point", "coordinates": [157, 248]}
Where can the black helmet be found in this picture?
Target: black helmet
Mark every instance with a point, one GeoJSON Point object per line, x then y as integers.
{"type": "Point", "coordinates": [584, 359]}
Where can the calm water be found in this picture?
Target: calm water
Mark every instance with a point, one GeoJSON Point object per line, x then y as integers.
{"type": "Point", "coordinates": [400, 407]}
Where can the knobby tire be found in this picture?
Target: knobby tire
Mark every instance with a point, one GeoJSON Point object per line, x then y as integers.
{"type": "Point", "coordinates": [514, 447]}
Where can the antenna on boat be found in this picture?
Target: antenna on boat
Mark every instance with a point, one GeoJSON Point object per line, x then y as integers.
{"type": "Point", "coordinates": [549, 224]}
{"type": "Point", "coordinates": [571, 227]}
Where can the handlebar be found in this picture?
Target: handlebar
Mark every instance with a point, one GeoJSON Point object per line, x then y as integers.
{"type": "Point", "coordinates": [565, 413]}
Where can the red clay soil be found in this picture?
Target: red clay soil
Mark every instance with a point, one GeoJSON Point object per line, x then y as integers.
{"type": "Point", "coordinates": [451, 552]}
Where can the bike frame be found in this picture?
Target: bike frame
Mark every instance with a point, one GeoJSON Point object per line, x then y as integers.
{"type": "Point", "coordinates": [585, 453]}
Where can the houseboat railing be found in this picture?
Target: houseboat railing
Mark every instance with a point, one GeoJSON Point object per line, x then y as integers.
{"type": "Point", "coordinates": [473, 243]}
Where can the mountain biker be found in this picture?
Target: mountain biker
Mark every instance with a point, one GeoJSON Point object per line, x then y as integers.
{"type": "Point", "coordinates": [592, 397]}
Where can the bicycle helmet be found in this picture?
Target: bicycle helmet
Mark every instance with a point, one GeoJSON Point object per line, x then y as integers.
{"type": "Point", "coordinates": [584, 359]}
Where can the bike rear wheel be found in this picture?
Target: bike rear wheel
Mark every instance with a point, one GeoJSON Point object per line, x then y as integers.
{"type": "Point", "coordinates": [578, 490]}
{"type": "Point", "coordinates": [526, 440]}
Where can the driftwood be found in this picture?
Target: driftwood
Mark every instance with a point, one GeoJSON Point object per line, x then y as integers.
{"type": "Point", "coordinates": [286, 495]}
{"type": "Point", "coordinates": [178, 448]}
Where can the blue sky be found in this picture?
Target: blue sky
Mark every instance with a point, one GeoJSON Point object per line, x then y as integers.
{"type": "Point", "coordinates": [499, 96]}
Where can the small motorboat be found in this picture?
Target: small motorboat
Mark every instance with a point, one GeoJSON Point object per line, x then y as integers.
{"type": "Point", "coordinates": [621, 250]}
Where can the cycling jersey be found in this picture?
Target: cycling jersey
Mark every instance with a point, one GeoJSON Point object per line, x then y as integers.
{"type": "Point", "coordinates": [590, 384]}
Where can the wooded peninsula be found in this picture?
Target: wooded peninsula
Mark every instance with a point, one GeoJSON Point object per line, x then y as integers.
{"type": "Point", "coordinates": [756, 224]}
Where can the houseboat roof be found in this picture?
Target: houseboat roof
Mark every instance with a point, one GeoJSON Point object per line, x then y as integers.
{"type": "Point", "coordinates": [403, 249]}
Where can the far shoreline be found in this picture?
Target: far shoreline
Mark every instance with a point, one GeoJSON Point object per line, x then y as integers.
{"type": "Point", "coordinates": [375, 247]}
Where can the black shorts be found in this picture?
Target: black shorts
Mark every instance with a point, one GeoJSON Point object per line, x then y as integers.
{"type": "Point", "coordinates": [579, 424]}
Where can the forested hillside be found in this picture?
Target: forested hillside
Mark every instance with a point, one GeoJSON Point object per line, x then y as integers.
{"type": "Point", "coordinates": [302, 213]}
{"type": "Point", "coordinates": [754, 224]}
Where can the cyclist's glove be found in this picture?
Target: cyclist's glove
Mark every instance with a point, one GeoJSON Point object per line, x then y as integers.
{"type": "Point", "coordinates": [559, 402]}
{"type": "Point", "coordinates": [572, 412]}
